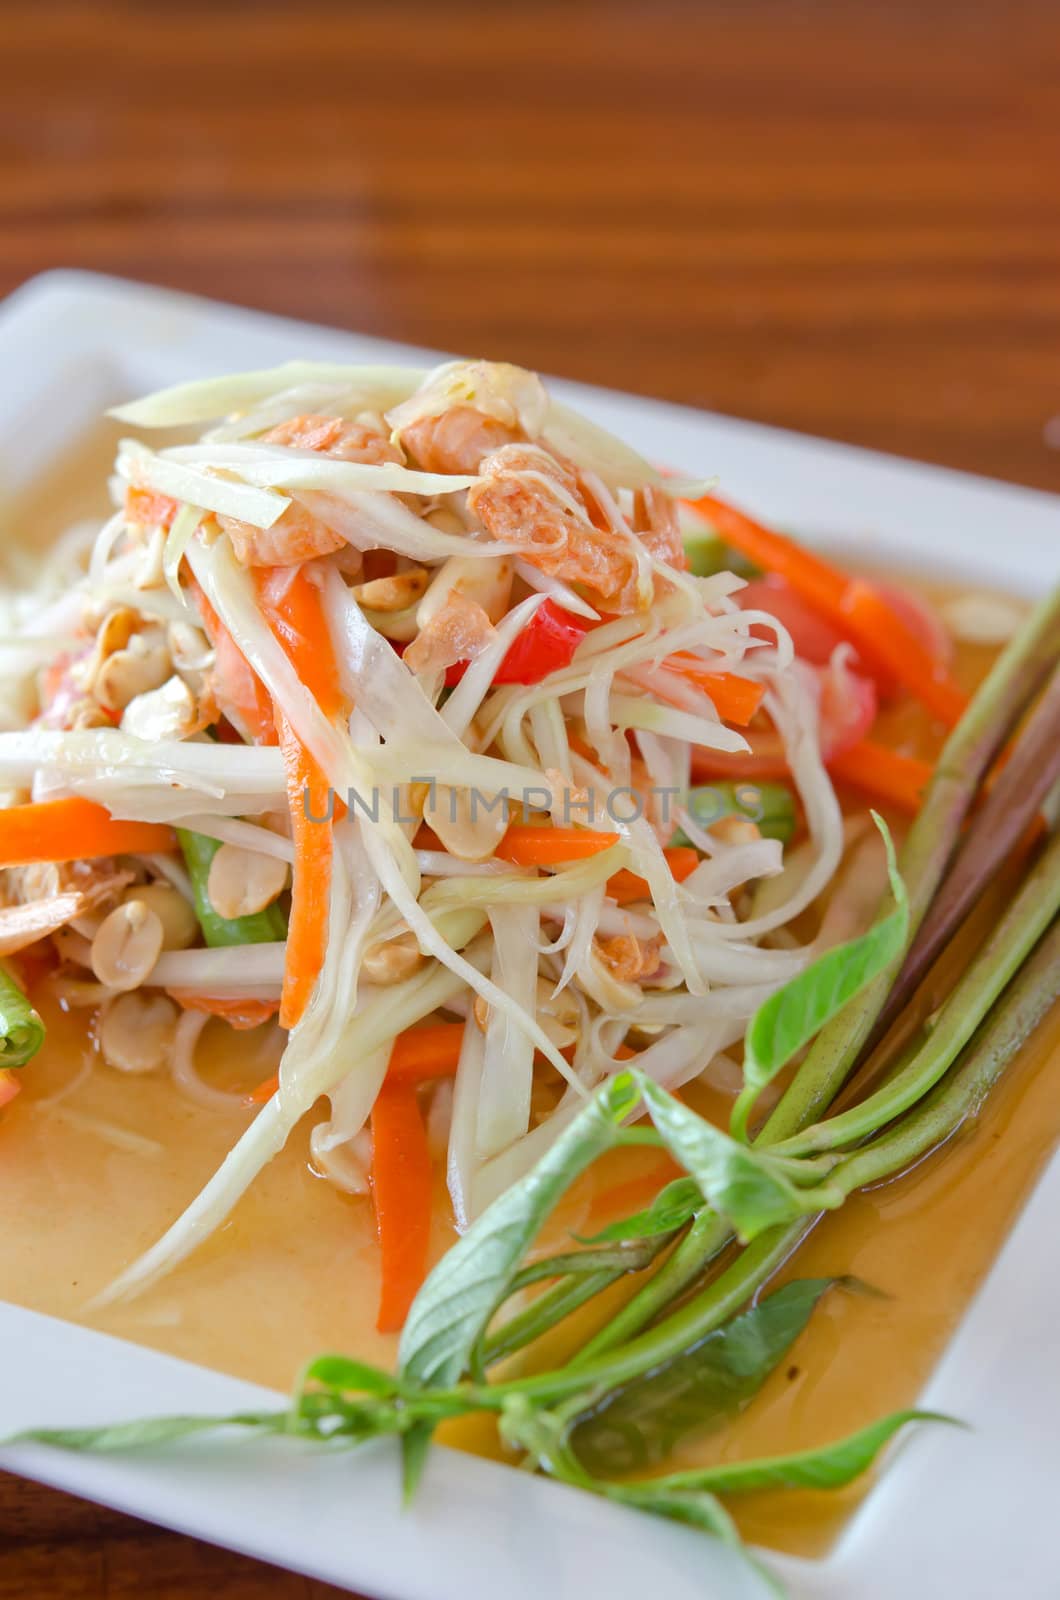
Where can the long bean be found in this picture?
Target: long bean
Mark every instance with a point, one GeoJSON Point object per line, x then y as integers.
{"type": "Point", "coordinates": [261, 927]}
{"type": "Point", "coordinates": [21, 1029]}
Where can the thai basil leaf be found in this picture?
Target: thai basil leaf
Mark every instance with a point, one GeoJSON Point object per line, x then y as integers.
{"type": "Point", "coordinates": [546, 1436]}
{"type": "Point", "coordinates": [148, 1431]}
{"type": "Point", "coordinates": [751, 1188]}
{"type": "Point", "coordinates": [21, 1029]}
{"type": "Point", "coordinates": [696, 1508]}
{"type": "Point", "coordinates": [637, 1425]}
{"type": "Point", "coordinates": [828, 1466]}
{"type": "Point", "coordinates": [455, 1305]}
{"type": "Point", "coordinates": [347, 1376]}
{"type": "Point", "coordinates": [671, 1209]}
{"type": "Point", "coordinates": [790, 1018]}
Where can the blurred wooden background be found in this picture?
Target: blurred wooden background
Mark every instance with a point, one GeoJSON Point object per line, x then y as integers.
{"type": "Point", "coordinates": [839, 217]}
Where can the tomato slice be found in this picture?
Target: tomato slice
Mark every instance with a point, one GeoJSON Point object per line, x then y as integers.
{"type": "Point", "coordinates": [546, 644]}
{"type": "Point", "coordinates": [815, 637]}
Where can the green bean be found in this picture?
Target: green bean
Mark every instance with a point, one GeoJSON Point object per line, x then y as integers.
{"type": "Point", "coordinates": [21, 1029]}
{"type": "Point", "coordinates": [261, 927]}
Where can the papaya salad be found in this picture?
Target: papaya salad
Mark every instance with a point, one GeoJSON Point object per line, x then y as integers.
{"type": "Point", "coordinates": [538, 804]}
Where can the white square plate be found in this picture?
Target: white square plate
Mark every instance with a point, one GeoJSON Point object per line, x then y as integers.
{"type": "Point", "coordinates": [956, 1513]}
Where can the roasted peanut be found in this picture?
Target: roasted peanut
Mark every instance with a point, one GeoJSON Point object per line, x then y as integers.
{"type": "Point", "coordinates": [136, 1032]}
{"type": "Point", "coordinates": [242, 882]}
{"type": "Point", "coordinates": [127, 945]}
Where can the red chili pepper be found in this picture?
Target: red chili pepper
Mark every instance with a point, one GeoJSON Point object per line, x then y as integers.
{"type": "Point", "coordinates": [545, 645]}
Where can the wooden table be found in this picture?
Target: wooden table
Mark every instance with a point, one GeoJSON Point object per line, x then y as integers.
{"type": "Point", "coordinates": [835, 217]}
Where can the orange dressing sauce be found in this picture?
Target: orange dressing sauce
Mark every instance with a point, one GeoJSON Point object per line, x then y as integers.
{"type": "Point", "coordinates": [94, 1165]}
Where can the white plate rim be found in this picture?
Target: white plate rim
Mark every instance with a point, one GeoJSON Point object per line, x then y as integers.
{"type": "Point", "coordinates": [954, 1513]}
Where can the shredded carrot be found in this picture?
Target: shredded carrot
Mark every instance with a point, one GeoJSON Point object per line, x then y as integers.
{"type": "Point", "coordinates": [582, 748]}
{"type": "Point", "coordinates": [887, 643]}
{"type": "Point", "coordinates": [735, 699]}
{"type": "Point", "coordinates": [818, 582]}
{"type": "Point", "coordinates": [245, 1013]}
{"type": "Point", "coordinates": [401, 1194]}
{"type": "Point", "coordinates": [533, 844]}
{"type": "Point", "coordinates": [893, 778]}
{"type": "Point", "coordinates": [881, 636]}
{"type": "Point", "coordinates": [625, 886]}
{"type": "Point", "coordinates": [9, 1086]}
{"type": "Point", "coordinates": [418, 1055]}
{"type": "Point", "coordinates": [427, 1052]}
{"type": "Point", "coordinates": [264, 1091]}
{"type": "Point", "coordinates": [307, 926]}
{"type": "Point", "coordinates": [74, 829]}
{"type": "Point", "coordinates": [293, 605]}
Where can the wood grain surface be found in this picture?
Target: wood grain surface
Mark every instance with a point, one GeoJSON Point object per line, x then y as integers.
{"type": "Point", "coordinates": [839, 217]}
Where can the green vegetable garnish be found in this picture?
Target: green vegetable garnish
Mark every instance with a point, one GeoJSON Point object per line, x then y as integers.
{"type": "Point", "coordinates": [21, 1029]}
{"type": "Point", "coordinates": [698, 1336]}
{"type": "Point", "coordinates": [638, 1424]}
{"type": "Point", "coordinates": [707, 554]}
{"type": "Point", "coordinates": [770, 805]}
{"type": "Point", "coordinates": [798, 1011]}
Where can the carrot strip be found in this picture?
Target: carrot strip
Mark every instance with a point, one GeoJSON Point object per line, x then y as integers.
{"type": "Point", "coordinates": [293, 605]}
{"type": "Point", "coordinates": [307, 926]}
{"type": "Point", "coordinates": [417, 1056]}
{"type": "Point", "coordinates": [247, 1013]}
{"type": "Point", "coordinates": [625, 886]}
{"type": "Point", "coordinates": [859, 611]}
{"type": "Point", "coordinates": [896, 779]}
{"type": "Point", "coordinates": [533, 844]}
{"type": "Point", "coordinates": [735, 699]}
{"type": "Point", "coordinates": [816, 580]}
{"type": "Point", "coordinates": [427, 1052]}
{"type": "Point", "coordinates": [264, 1091]}
{"type": "Point", "coordinates": [74, 829]}
{"type": "Point", "coordinates": [9, 1086]}
{"type": "Point", "coordinates": [885, 642]}
{"type": "Point", "coordinates": [401, 1194]}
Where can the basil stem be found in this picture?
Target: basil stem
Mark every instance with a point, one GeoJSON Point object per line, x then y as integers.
{"type": "Point", "coordinates": [705, 1239]}
{"type": "Point", "coordinates": [1004, 953]}
{"type": "Point", "coordinates": [1007, 812]}
{"type": "Point", "coordinates": [715, 1304]}
{"type": "Point", "coordinates": [544, 1313]}
{"type": "Point", "coordinates": [21, 1029]}
{"type": "Point", "coordinates": [961, 1094]}
{"type": "Point", "coordinates": [1015, 677]}
{"type": "Point", "coordinates": [261, 927]}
